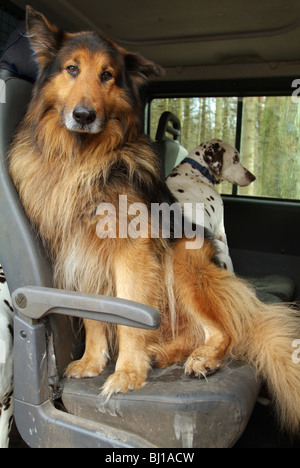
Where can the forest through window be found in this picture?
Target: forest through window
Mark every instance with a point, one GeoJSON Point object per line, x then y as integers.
{"type": "Point", "coordinates": [269, 141]}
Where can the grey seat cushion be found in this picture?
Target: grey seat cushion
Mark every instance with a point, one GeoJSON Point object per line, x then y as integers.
{"type": "Point", "coordinates": [282, 287]}
{"type": "Point", "coordinates": [173, 410]}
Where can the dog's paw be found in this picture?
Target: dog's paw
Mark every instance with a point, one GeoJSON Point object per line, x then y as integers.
{"type": "Point", "coordinates": [202, 365]}
{"type": "Point", "coordinates": [122, 382]}
{"type": "Point", "coordinates": [85, 368]}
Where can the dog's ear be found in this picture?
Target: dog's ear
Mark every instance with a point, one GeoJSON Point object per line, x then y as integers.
{"type": "Point", "coordinates": [44, 36]}
{"type": "Point", "coordinates": [141, 68]}
{"type": "Point", "coordinates": [213, 156]}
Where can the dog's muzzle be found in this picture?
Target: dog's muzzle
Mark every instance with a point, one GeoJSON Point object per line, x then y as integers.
{"type": "Point", "coordinates": [82, 120]}
{"type": "Point", "coordinates": [84, 116]}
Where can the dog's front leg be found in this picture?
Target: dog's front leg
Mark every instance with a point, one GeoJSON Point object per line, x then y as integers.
{"type": "Point", "coordinates": [137, 278]}
{"type": "Point", "coordinates": [133, 362]}
{"type": "Point", "coordinates": [96, 355]}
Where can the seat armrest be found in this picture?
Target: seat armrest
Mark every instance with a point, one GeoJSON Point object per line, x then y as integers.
{"type": "Point", "coordinates": [36, 302]}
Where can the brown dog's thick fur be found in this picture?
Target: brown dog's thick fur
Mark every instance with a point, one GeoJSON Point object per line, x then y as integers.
{"type": "Point", "coordinates": [80, 145]}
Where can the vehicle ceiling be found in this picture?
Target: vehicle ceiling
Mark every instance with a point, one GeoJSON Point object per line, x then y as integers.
{"type": "Point", "coordinates": [183, 35]}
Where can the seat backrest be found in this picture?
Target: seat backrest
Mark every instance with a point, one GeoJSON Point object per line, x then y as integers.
{"type": "Point", "coordinates": [22, 256]}
{"type": "Point", "coordinates": [168, 142]}
{"type": "Point", "coordinates": [24, 260]}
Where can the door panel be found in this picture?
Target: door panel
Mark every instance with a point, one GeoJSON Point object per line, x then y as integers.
{"type": "Point", "coordinates": [263, 236]}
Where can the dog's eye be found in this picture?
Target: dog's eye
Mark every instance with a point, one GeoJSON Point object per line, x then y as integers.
{"type": "Point", "coordinates": [236, 159]}
{"type": "Point", "coordinates": [106, 76]}
{"type": "Point", "coordinates": [73, 70]}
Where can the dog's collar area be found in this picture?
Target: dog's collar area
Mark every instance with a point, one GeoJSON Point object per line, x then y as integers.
{"type": "Point", "coordinates": [196, 165]}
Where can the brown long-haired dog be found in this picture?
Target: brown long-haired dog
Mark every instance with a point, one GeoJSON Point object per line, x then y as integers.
{"type": "Point", "coordinates": [80, 145]}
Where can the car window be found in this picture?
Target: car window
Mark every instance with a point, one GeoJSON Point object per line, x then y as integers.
{"type": "Point", "coordinates": [266, 130]}
{"type": "Point", "coordinates": [270, 146]}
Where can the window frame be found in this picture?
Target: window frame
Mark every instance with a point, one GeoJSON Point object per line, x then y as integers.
{"type": "Point", "coordinates": [240, 89]}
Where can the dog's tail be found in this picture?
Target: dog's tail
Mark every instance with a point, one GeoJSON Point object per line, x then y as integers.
{"type": "Point", "coordinates": [262, 334]}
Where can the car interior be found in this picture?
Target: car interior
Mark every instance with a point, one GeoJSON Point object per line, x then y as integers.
{"type": "Point", "coordinates": [231, 71]}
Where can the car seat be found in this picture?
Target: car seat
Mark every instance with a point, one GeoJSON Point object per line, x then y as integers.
{"type": "Point", "coordinates": [168, 142]}
{"type": "Point", "coordinates": [170, 411]}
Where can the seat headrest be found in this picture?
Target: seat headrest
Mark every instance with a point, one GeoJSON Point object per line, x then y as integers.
{"type": "Point", "coordinates": [169, 124]}
{"type": "Point", "coordinates": [18, 56]}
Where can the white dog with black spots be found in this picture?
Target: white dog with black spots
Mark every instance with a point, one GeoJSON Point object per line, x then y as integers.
{"type": "Point", "coordinates": [6, 362]}
{"type": "Point", "coordinates": [193, 181]}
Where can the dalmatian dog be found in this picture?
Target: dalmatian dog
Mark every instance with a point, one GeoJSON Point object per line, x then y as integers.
{"type": "Point", "coordinates": [6, 362]}
{"type": "Point", "coordinates": [193, 181]}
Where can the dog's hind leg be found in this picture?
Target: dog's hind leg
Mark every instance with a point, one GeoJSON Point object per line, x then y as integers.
{"type": "Point", "coordinates": [193, 279]}
{"type": "Point", "coordinates": [203, 343]}
{"type": "Point", "coordinates": [208, 358]}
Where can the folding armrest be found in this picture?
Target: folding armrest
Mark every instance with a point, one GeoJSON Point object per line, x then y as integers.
{"type": "Point", "coordinates": [37, 302]}
{"type": "Point", "coordinates": [37, 419]}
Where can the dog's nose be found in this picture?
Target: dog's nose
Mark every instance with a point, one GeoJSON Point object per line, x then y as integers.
{"type": "Point", "coordinates": [84, 116]}
{"type": "Point", "coordinates": [252, 177]}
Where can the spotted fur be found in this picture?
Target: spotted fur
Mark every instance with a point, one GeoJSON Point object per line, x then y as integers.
{"type": "Point", "coordinates": [219, 162]}
{"type": "Point", "coordinates": [6, 362]}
